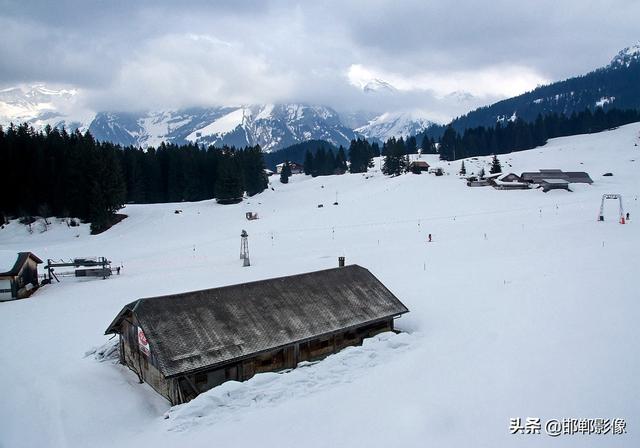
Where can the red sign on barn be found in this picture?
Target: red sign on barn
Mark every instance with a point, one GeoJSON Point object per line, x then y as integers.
{"type": "Point", "coordinates": [143, 343]}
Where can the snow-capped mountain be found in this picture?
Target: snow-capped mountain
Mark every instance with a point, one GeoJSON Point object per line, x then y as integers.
{"type": "Point", "coordinates": [626, 56]}
{"type": "Point", "coordinates": [377, 85]}
{"type": "Point", "coordinates": [40, 105]}
{"type": "Point", "coordinates": [614, 85]}
{"type": "Point", "coordinates": [399, 124]}
{"type": "Point", "coordinates": [272, 126]}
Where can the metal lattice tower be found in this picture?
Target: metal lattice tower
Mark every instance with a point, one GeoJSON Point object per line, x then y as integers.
{"type": "Point", "coordinates": [244, 248]}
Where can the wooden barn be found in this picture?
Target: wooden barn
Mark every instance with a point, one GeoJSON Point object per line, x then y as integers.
{"type": "Point", "coordinates": [187, 343]}
{"type": "Point", "coordinates": [418, 166]}
{"type": "Point", "coordinates": [20, 276]}
{"type": "Point", "coordinates": [548, 174]}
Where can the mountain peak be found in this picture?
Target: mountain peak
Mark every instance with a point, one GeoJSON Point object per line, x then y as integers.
{"type": "Point", "coordinates": [378, 85]}
{"type": "Point", "coordinates": [395, 124]}
{"type": "Point", "coordinates": [626, 56]}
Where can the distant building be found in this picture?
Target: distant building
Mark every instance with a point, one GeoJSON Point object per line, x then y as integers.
{"type": "Point", "coordinates": [296, 168]}
{"type": "Point", "coordinates": [569, 176]}
{"type": "Point", "coordinates": [509, 181]}
{"type": "Point", "coordinates": [474, 181]}
{"type": "Point", "coordinates": [185, 344]}
{"type": "Point", "coordinates": [418, 165]}
{"type": "Point", "coordinates": [554, 184]}
{"type": "Point", "coordinates": [20, 276]}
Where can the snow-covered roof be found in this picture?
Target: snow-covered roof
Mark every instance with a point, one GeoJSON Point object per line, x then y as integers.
{"type": "Point", "coordinates": [201, 329]}
{"type": "Point", "coordinates": [492, 176]}
{"type": "Point", "coordinates": [510, 183]}
{"type": "Point", "coordinates": [505, 175]}
{"type": "Point", "coordinates": [555, 181]}
{"type": "Point", "coordinates": [10, 261]}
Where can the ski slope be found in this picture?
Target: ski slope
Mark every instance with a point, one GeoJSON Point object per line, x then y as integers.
{"type": "Point", "coordinates": [522, 306]}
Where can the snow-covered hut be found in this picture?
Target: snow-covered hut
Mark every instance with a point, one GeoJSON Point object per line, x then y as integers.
{"type": "Point", "coordinates": [185, 344]}
{"type": "Point", "coordinates": [509, 181]}
{"type": "Point", "coordinates": [554, 184]}
{"type": "Point", "coordinates": [18, 274]}
{"type": "Point", "coordinates": [418, 166]}
{"type": "Point", "coordinates": [296, 168]}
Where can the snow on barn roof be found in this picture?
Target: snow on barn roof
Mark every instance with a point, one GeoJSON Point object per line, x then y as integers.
{"type": "Point", "coordinates": [10, 261]}
{"type": "Point", "coordinates": [201, 329]}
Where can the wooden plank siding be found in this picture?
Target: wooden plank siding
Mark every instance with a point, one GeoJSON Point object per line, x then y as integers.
{"type": "Point", "coordinates": [186, 387]}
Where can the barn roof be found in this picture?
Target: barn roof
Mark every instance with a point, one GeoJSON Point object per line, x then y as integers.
{"type": "Point", "coordinates": [201, 329]}
{"type": "Point", "coordinates": [11, 262]}
{"type": "Point", "coordinates": [569, 176]}
{"type": "Point", "coordinates": [578, 177]}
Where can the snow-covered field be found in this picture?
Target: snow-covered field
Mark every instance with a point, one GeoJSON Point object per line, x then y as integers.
{"type": "Point", "coordinates": [522, 306]}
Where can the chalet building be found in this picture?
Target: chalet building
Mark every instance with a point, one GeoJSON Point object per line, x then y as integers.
{"type": "Point", "coordinates": [509, 181]}
{"type": "Point", "coordinates": [554, 184]}
{"type": "Point", "coordinates": [418, 166]}
{"type": "Point", "coordinates": [474, 181]}
{"type": "Point", "coordinates": [569, 176]}
{"type": "Point", "coordinates": [20, 276]}
{"type": "Point", "coordinates": [296, 168]}
{"type": "Point", "coordinates": [187, 343]}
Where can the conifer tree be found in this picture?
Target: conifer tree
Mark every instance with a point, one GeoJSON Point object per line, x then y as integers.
{"type": "Point", "coordinates": [229, 179]}
{"type": "Point", "coordinates": [285, 173]}
{"type": "Point", "coordinates": [463, 170]}
{"type": "Point", "coordinates": [495, 166]}
{"type": "Point", "coordinates": [341, 161]}
{"type": "Point", "coordinates": [412, 147]}
{"type": "Point", "coordinates": [255, 179]}
{"type": "Point", "coordinates": [329, 164]}
{"type": "Point", "coordinates": [308, 163]}
{"type": "Point", "coordinates": [319, 162]}
{"type": "Point", "coordinates": [395, 161]}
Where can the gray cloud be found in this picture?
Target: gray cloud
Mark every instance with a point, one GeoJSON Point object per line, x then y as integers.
{"type": "Point", "coordinates": [154, 54]}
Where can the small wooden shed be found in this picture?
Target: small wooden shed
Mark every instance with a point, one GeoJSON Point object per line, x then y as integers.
{"type": "Point", "coordinates": [418, 166]}
{"type": "Point", "coordinates": [185, 344]}
{"type": "Point", "coordinates": [19, 276]}
{"type": "Point", "coordinates": [554, 184]}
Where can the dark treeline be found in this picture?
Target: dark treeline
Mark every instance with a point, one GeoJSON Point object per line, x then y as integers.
{"type": "Point", "coordinates": [519, 135]}
{"type": "Point", "coordinates": [324, 162]}
{"type": "Point", "coordinates": [56, 173]}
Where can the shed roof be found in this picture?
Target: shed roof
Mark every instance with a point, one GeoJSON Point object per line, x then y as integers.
{"type": "Point", "coordinates": [11, 262]}
{"type": "Point", "coordinates": [578, 177]}
{"type": "Point", "coordinates": [201, 329]}
{"type": "Point", "coordinates": [555, 181]}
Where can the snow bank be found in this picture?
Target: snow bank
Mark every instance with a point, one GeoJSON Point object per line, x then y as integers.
{"type": "Point", "coordinates": [273, 389]}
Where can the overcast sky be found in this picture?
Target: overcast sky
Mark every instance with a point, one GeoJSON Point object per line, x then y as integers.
{"type": "Point", "coordinates": [443, 57]}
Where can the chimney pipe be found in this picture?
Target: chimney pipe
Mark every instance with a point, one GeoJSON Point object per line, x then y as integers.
{"type": "Point", "coordinates": [340, 262]}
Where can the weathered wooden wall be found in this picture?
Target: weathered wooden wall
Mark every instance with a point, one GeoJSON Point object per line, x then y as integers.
{"type": "Point", "coordinates": [187, 387]}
